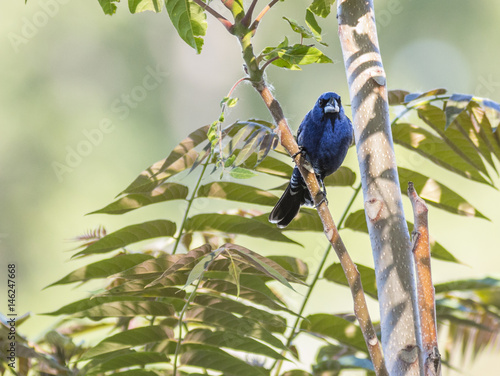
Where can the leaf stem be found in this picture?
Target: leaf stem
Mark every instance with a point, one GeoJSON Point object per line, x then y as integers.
{"type": "Point", "coordinates": [294, 333]}
{"type": "Point", "coordinates": [190, 202]}
{"type": "Point", "coordinates": [261, 14]}
{"type": "Point", "coordinates": [181, 315]}
{"type": "Point", "coordinates": [223, 20]}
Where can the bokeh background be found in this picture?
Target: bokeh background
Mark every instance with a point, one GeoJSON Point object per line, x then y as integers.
{"type": "Point", "coordinates": [67, 71]}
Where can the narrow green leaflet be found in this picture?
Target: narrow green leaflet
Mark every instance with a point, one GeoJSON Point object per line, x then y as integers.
{"type": "Point", "coordinates": [235, 224]}
{"type": "Point", "coordinates": [430, 93]}
{"type": "Point", "coordinates": [129, 338]}
{"type": "Point", "coordinates": [142, 358]}
{"type": "Point", "coordinates": [335, 327]}
{"type": "Point", "coordinates": [462, 145]}
{"type": "Point", "coordinates": [129, 309]}
{"type": "Point", "coordinates": [437, 194]}
{"type": "Point", "coordinates": [219, 360]}
{"type": "Point", "coordinates": [103, 268]}
{"type": "Point", "coordinates": [162, 193]}
{"type": "Point", "coordinates": [200, 268]}
{"type": "Point", "coordinates": [321, 8]}
{"type": "Point", "coordinates": [108, 6]}
{"type": "Point", "coordinates": [131, 234]}
{"type": "Point", "coordinates": [335, 273]}
{"type": "Point", "coordinates": [433, 148]}
{"type": "Point", "coordinates": [356, 221]}
{"type": "Point", "coordinates": [85, 304]}
{"type": "Point", "coordinates": [181, 158]}
{"type": "Point", "coordinates": [137, 6]}
{"type": "Point", "coordinates": [229, 339]}
{"type": "Point", "coordinates": [492, 110]}
{"type": "Point", "coordinates": [468, 284]}
{"type": "Point", "coordinates": [189, 20]}
{"type": "Point", "coordinates": [237, 192]}
{"type": "Point", "coordinates": [312, 24]}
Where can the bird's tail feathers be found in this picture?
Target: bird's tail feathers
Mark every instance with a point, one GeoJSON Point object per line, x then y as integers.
{"type": "Point", "coordinates": [287, 207]}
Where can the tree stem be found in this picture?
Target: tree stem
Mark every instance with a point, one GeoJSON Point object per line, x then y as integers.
{"type": "Point", "coordinates": [190, 202]}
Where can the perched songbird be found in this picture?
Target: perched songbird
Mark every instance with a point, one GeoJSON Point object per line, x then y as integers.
{"type": "Point", "coordinates": [324, 136]}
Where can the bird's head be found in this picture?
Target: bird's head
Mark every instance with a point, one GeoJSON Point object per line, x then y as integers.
{"type": "Point", "coordinates": [328, 104]}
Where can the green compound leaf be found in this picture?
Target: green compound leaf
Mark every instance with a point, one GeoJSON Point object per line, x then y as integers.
{"type": "Point", "coordinates": [131, 234]}
{"type": "Point", "coordinates": [137, 6]}
{"type": "Point", "coordinates": [189, 20]}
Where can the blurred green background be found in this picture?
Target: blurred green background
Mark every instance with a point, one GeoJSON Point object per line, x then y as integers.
{"type": "Point", "coordinates": [74, 81]}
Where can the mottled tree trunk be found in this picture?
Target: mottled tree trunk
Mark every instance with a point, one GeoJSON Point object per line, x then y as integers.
{"type": "Point", "coordinates": [382, 196]}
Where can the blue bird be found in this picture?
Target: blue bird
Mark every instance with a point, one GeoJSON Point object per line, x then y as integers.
{"type": "Point", "coordinates": [324, 136]}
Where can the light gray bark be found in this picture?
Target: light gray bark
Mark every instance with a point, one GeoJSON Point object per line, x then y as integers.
{"type": "Point", "coordinates": [382, 196]}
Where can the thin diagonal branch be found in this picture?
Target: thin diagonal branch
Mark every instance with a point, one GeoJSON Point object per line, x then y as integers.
{"type": "Point", "coordinates": [261, 14]}
{"type": "Point", "coordinates": [332, 234]}
{"type": "Point", "coordinates": [223, 20]}
{"type": "Point", "coordinates": [245, 21]}
{"type": "Point", "coordinates": [429, 356]}
{"type": "Point", "coordinates": [310, 289]}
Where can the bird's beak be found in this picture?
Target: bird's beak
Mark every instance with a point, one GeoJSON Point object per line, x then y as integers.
{"type": "Point", "coordinates": [332, 106]}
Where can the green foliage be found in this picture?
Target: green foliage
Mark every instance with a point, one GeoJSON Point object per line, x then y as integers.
{"type": "Point", "coordinates": [206, 303]}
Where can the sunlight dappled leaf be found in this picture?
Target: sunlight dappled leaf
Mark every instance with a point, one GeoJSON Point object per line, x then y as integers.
{"type": "Point", "coordinates": [321, 8]}
{"type": "Point", "coordinates": [434, 92]}
{"type": "Point", "coordinates": [397, 97]}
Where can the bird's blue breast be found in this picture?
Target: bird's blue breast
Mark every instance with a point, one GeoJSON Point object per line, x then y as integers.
{"type": "Point", "coordinates": [326, 140]}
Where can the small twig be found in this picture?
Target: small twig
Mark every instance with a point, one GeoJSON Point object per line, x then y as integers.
{"type": "Point", "coordinates": [429, 356]}
{"type": "Point", "coordinates": [228, 4]}
{"type": "Point", "coordinates": [181, 315]}
{"type": "Point", "coordinates": [261, 14]}
{"type": "Point", "coordinates": [223, 20]}
{"type": "Point", "coordinates": [190, 202]}
{"type": "Point", "coordinates": [269, 62]}
{"type": "Point", "coordinates": [245, 21]}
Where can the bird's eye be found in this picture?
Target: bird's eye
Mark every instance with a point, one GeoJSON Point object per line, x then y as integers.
{"type": "Point", "coordinates": [322, 102]}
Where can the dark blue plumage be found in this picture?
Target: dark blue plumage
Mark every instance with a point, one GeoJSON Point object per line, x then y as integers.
{"type": "Point", "coordinates": [324, 136]}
